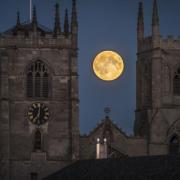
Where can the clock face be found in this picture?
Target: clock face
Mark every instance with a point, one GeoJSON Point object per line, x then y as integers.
{"type": "Point", "coordinates": [38, 113]}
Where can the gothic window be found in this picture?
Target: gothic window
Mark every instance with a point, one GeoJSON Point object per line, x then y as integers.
{"type": "Point", "coordinates": [29, 84]}
{"type": "Point", "coordinates": [38, 80]}
{"type": "Point", "coordinates": [176, 83]}
{"type": "Point", "coordinates": [37, 141]}
{"type": "Point", "coordinates": [37, 85]}
{"type": "Point", "coordinates": [45, 85]}
{"type": "Point", "coordinates": [174, 145]}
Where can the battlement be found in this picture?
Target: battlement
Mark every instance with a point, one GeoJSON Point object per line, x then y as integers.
{"type": "Point", "coordinates": [48, 40]}
{"type": "Point", "coordinates": [32, 34]}
{"type": "Point", "coordinates": [170, 43]}
{"type": "Point", "coordinates": [164, 43]}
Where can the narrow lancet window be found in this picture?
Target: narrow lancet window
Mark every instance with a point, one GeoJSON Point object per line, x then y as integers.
{"type": "Point", "coordinates": [38, 141]}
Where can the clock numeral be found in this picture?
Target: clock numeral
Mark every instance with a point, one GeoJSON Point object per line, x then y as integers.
{"type": "Point", "coordinates": [34, 120]}
{"type": "Point", "coordinates": [46, 109]}
{"type": "Point", "coordinates": [29, 113]}
{"type": "Point", "coordinates": [47, 113]}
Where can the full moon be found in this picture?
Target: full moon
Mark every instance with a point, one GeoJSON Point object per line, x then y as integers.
{"type": "Point", "coordinates": [108, 65]}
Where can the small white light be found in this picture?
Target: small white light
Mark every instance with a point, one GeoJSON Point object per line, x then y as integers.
{"type": "Point", "coordinates": [105, 140]}
{"type": "Point", "coordinates": [98, 140]}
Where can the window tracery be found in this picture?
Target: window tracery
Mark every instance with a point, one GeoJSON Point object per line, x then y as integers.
{"type": "Point", "coordinates": [37, 80]}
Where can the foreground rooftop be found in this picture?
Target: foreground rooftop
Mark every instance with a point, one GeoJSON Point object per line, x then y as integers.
{"type": "Point", "coordinates": [125, 168]}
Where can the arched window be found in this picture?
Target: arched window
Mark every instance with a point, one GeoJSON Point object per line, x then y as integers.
{"type": "Point", "coordinates": [37, 141]}
{"type": "Point", "coordinates": [38, 80]}
{"type": "Point", "coordinates": [176, 83]}
{"type": "Point", "coordinates": [174, 145]}
{"type": "Point", "coordinates": [30, 84]}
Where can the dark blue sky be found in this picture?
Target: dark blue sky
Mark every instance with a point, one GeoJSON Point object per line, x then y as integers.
{"type": "Point", "coordinates": [103, 25]}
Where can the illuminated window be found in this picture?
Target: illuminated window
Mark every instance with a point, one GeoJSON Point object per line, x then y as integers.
{"type": "Point", "coordinates": [176, 83]}
{"type": "Point", "coordinates": [37, 80]}
{"type": "Point", "coordinates": [174, 145]}
{"type": "Point", "coordinates": [38, 141]}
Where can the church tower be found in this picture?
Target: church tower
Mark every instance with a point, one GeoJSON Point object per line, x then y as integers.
{"type": "Point", "coordinates": [158, 88]}
{"type": "Point", "coordinates": [39, 105]}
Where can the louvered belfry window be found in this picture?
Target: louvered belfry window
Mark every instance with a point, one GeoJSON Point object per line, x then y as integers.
{"type": "Point", "coordinates": [38, 80]}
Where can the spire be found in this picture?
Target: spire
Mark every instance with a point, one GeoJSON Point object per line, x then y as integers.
{"type": "Point", "coordinates": [18, 23]}
{"type": "Point", "coordinates": [155, 19]}
{"type": "Point", "coordinates": [57, 26]}
{"type": "Point", "coordinates": [140, 24]}
{"type": "Point", "coordinates": [74, 26]}
{"type": "Point", "coordinates": [74, 22]}
{"type": "Point", "coordinates": [34, 18]}
{"type": "Point", "coordinates": [66, 23]}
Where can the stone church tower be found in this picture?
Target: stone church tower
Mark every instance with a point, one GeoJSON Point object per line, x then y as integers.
{"type": "Point", "coordinates": [39, 129]}
{"type": "Point", "coordinates": [158, 88]}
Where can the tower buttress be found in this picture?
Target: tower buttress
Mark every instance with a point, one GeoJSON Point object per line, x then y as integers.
{"type": "Point", "coordinates": [74, 83]}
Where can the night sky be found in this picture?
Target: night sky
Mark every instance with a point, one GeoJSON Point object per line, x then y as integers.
{"type": "Point", "coordinates": [103, 25]}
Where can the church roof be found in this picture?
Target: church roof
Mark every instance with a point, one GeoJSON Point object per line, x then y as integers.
{"type": "Point", "coordinates": [107, 121]}
{"type": "Point", "coordinates": [27, 27]}
{"type": "Point", "coordinates": [134, 168]}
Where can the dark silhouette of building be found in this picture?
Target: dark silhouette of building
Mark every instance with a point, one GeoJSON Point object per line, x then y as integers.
{"type": "Point", "coordinates": [126, 168]}
{"type": "Point", "coordinates": [39, 101]}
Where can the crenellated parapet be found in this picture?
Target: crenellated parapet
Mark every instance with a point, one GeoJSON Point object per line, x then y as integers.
{"type": "Point", "coordinates": [31, 41]}
{"type": "Point", "coordinates": [32, 34]}
{"type": "Point", "coordinates": [170, 43]}
{"type": "Point", "coordinates": [146, 44]}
